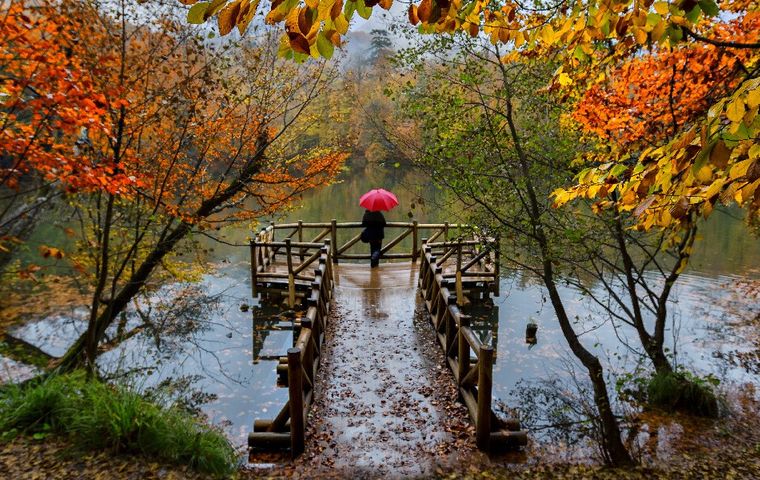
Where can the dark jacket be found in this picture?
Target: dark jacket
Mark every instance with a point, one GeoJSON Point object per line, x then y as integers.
{"type": "Point", "coordinates": [374, 224]}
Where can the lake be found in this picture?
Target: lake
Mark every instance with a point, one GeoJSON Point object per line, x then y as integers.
{"type": "Point", "coordinates": [221, 357]}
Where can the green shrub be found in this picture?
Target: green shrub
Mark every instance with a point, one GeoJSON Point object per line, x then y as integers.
{"type": "Point", "coordinates": [95, 415]}
{"type": "Point", "coordinates": [683, 392]}
{"type": "Point", "coordinates": [45, 405]}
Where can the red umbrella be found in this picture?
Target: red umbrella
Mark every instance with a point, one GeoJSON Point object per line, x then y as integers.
{"type": "Point", "coordinates": [378, 199]}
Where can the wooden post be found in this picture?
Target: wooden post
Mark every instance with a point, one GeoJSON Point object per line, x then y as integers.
{"type": "Point", "coordinates": [300, 239]}
{"type": "Point", "coordinates": [496, 267]}
{"type": "Point", "coordinates": [291, 277]}
{"type": "Point", "coordinates": [464, 348]}
{"type": "Point", "coordinates": [446, 232]}
{"type": "Point", "coordinates": [485, 381]}
{"type": "Point", "coordinates": [415, 248]}
{"type": "Point", "coordinates": [334, 238]}
{"type": "Point", "coordinates": [460, 293]}
{"type": "Point", "coordinates": [450, 327]}
{"type": "Point", "coordinates": [271, 239]}
{"type": "Point", "coordinates": [254, 267]}
{"type": "Point", "coordinates": [295, 395]}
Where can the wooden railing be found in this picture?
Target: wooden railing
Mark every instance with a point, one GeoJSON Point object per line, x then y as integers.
{"type": "Point", "coordinates": [457, 339]}
{"type": "Point", "coordinates": [288, 426]}
{"type": "Point", "coordinates": [450, 271]}
{"type": "Point", "coordinates": [312, 232]}
{"type": "Point", "coordinates": [263, 253]}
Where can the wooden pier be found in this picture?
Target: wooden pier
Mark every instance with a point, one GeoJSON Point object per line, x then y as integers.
{"type": "Point", "coordinates": [457, 267]}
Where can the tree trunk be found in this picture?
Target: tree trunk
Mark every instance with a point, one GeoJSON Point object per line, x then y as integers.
{"type": "Point", "coordinates": [76, 355]}
{"type": "Point", "coordinates": [613, 444]}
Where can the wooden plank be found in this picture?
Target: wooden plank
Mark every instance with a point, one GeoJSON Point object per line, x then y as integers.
{"type": "Point", "coordinates": [293, 244]}
{"type": "Point", "coordinates": [269, 440]}
{"type": "Point", "coordinates": [472, 339]}
{"type": "Point", "coordinates": [396, 240]}
{"type": "Point", "coordinates": [350, 243]}
{"type": "Point", "coordinates": [305, 264]}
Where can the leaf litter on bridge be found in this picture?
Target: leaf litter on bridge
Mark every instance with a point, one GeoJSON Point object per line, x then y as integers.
{"type": "Point", "coordinates": [386, 406]}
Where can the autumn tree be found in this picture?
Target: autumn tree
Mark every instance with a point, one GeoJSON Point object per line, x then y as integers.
{"type": "Point", "coordinates": [594, 40]}
{"type": "Point", "coordinates": [484, 136]}
{"type": "Point", "coordinates": [207, 138]}
{"type": "Point", "coordinates": [47, 102]}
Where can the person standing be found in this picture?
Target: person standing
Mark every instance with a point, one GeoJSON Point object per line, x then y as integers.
{"type": "Point", "coordinates": [373, 233]}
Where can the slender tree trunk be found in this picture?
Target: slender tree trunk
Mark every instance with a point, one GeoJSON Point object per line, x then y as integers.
{"type": "Point", "coordinates": [612, 443]}
{"type": "Point", "coordinates": [102, 278]}
{"type": "Point", "coordinates": [653, 346]}
{"type": "Point", "coordinates": [75, 356]}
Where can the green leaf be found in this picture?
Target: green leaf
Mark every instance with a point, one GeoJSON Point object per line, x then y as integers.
{"type": "Point", "coordinates": [579, 54]}
{"type": "Point", "coordinates": [364, 11]}
{"type": "Point", "coordinates": [709, 7]}
{"type": "Point", "coordinates": [674, 33]}
{"type": "Point", "coordinates": [349, 9]}
{"type": "Point", "coordinates": [618, 170]}
{"type": "Point", "coordinates": [702, 156]}
{"type": "Point", "coordinates": [694, 14]}
{"type": "Point", "coordinates": [325, 46]}
{"type": "Point", "coordinates": [197, 13]}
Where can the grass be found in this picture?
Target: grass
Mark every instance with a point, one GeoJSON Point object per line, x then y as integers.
{"type": "Point", "coordinates": [97, 416]}
{"type": "Point", "coordinates": [681, 391]}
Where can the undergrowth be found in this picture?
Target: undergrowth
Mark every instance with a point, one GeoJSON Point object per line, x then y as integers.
{"type": "Point", "coordinates": [684, 392]}
{"type": "Point", "coordinates": [98, 416]}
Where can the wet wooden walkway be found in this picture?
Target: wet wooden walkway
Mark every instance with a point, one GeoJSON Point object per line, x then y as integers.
{"type": "Point", "coordinates": [384, 403]}
{"type": "Point", "coordinates": [378, 411]}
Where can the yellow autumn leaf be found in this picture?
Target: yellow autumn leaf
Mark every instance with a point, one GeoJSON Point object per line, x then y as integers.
{"type": "Point", "coordinates": [714, 188]}
{"type": "Point", "coordinates": [740, 169]}
{"type": "Point", "coordinates": [661, 8]}
{"type": "Point", "coordinates": [735, 110]}
{"type": "Point", "coordinates": [753, 98]}
{"type": "Point", "coordinates": [564, 79]}
{"type": "Point", "coordinates": [547, 34]}
{"type": "Point", "coordinates": [704, 174]}
{"type": "Point", "coordinates": [640, 35]}
{"type": "Point", "coordinates": [341, 24]}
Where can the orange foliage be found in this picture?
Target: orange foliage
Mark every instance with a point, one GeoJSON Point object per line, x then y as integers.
{"type": "Point", "coordinates": [46, 100]}
{"type": "Point", "coordinates": [648, 99]}
{"type": "Point", "coordinates": [176, 123]}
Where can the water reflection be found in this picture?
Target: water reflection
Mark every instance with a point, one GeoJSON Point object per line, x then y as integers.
{"type": "Point", "coordinates": [272, 332]}
{"type": "Point", "coordinates": [230, 356]}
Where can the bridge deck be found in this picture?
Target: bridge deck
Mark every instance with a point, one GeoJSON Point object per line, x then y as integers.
{"type": "Point", "coordinates": [378, 409]}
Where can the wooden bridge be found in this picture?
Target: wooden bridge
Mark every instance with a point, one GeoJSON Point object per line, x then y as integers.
{"type": "Point", "coordinates": [296, 263]}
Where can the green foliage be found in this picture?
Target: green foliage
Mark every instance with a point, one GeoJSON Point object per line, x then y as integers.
{"type": "Point", "coordinates": [96, 416]}
{"type": "Point", "coordinates": [684, 392]}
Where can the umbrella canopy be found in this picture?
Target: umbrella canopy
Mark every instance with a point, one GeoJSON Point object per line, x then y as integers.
{"type": "Point", "coordinates": [378, 200]}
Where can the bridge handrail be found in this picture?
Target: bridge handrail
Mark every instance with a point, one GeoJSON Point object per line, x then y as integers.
{"type": "Point", "coordinates": [457, 339]}
{"type": "Point", "coordinates": [301, 365]}
{"type": "Point", "coordinates": [330, 230]}
{"type": "Point", "coordinates": [281, 226]}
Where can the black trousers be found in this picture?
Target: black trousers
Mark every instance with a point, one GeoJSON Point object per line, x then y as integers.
{"type": "Point", "coordinates": [374, 248]}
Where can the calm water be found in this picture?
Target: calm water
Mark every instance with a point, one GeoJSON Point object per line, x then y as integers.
{"type": "Point", "coordinates": [225, 358]}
